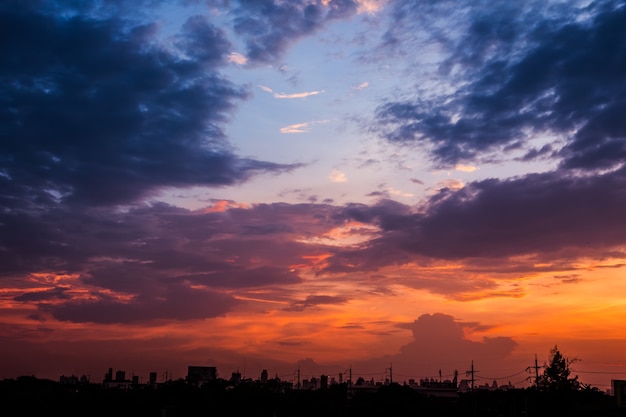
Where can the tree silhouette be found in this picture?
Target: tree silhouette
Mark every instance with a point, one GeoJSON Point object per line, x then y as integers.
{"type": "Point", "coordinates": [556, 374]}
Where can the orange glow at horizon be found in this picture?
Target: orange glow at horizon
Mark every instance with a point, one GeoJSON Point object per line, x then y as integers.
{"type": "Point", "coordinates": [552, 310]}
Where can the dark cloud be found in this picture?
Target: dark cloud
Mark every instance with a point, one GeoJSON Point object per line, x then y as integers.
{"type": "Point", "coordinates": [316, 300]}
{"type": "Point", "coordinates": [525, 74]}
{"type": "Point", "coordinates": [538, 213]}
{"type": "Point", "coordinates": [152, 257]}
{"type": "Point", "coordinates": [497, 227]}
{"type": "Point", "coordinates": [245, 278]}
{"type": "Point", "coordinates": [551, 216]}
{"type": "Point", "coordinates": [177, 302]}
{"type": "Point", "coordinates": [268, 27]}
{"type": "Point", "coordinates": [53, 294]}
{"type": "Point", "coordinates": [94, 111]}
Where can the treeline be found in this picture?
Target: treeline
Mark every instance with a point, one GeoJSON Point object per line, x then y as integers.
{"type": "Point", "coordinates": [36, 397]}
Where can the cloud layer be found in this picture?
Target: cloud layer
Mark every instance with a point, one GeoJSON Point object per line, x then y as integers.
{"type": "Point", "coordinates": [105, 107]}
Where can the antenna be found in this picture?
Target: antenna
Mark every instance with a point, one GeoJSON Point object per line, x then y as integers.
{"type": "Point", "coordinates": [390, 373]}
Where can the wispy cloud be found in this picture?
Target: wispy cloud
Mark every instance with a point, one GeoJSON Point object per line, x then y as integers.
{"type": "Point", "coordinates": [298, 95]}
{"type": "Point", "coordinates": [301, 127]}
{"type": "Point", "coordinates": [465, 168]}
{"type": "Point", "coordinates": [295, 128]}
{"type": "Point", "coordinates": [361, 86]}
{"type": "Point", "coordinates": [292, 95]}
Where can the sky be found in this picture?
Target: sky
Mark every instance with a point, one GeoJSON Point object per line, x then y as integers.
{"type": "Point", "coordinates": [391, 187]}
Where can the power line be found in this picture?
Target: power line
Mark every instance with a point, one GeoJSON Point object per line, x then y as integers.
{"type": "Point", "coordinates": [598, 372]}
{"type": "Point", "coordinates": [503, 377]}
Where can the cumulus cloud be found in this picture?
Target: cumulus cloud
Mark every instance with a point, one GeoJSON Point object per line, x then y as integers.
{"type": "Point", "coordinates": [440, 338]}
{"type": "Point", "coordinates": [440, 343]}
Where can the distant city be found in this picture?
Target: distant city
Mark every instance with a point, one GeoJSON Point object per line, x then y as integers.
{"type": "Point", "coordinates": [203, 391]}
{"type": "Point", "coordinates": [198, 376]}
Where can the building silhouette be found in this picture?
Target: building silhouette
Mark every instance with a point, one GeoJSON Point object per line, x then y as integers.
{"type": "Point", "coordinates": [200, 375]}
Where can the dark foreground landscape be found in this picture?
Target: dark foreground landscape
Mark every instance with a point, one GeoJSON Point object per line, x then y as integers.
{"type": "Point", "coordinates": [30, 396]}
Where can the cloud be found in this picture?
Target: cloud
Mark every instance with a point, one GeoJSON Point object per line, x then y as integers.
{"type": "Point", "coordinates": [178, 303]}
{"type": "Point", "coordinates": [297, 95]}
{"type": "Point", "coordinates": [465, 168]}
{"type": "Point", "coordinates": [338, 176]}
{"type": "Point", "coordinates": [139, 264]}
{"type": "Point", "coordinates": [148, 253]}
{"type": "Point", "coordinates": [237, 58]}
{"type": "Point", "coordinates": [290, 96]}
{"type": "Point", "coordinates": [449, 184]}
{"type": "Point", "coordinates": [371, 6]}
{"type": "Point", "coordinates": [520, 81]}
{"type": "Point", "coordinates": [295, 128]}
{"type": "Point", "coordinates": [446, 340]}
{"type": "Point", "coordinates": [546, 216]}
{"type": "Point", "coordinates": [115, 117]}
{"type": "Point", "coordinates": [316, 300]}
{"type": "Point", "coordinates": [361, 86]}
{"type": "Point", "coordinates": [301, 127]}
{"type": "Point", "coordinates": [54, 293]}
{"type": "Point", "coordinates": [440, 342]}
{"type": "Point", "coordinates": [238, 277]}
{"type": "Point", "coordinates": [268, 28]}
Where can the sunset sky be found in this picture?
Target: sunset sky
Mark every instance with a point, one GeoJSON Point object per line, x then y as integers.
{"type": "Point", "coordinates": [322, 185]}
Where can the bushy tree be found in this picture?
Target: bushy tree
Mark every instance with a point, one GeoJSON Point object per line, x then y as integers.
{"type": "Point", "coordinates": [556, 373]}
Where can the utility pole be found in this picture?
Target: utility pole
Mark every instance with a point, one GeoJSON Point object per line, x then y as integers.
{"type": "Point", "coordinates": [471, 372]}
{"type": "Point", "coordinates": [298, 377]}
{"type": "Point", "coordinates": [536, 372]}
{"type": "Point", "coordinates": [536, 368]}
